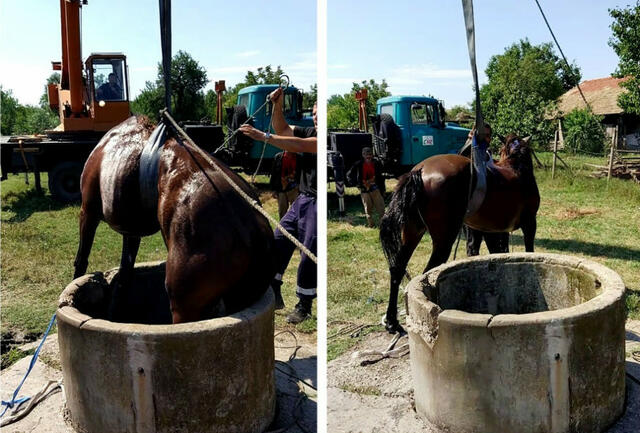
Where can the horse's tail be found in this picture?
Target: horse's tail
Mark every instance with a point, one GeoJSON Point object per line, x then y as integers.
{"type": "Point", "coordinates": [404, 203]}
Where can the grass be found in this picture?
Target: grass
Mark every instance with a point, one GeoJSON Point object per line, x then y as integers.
{"type": "Point", "coordinates": [579, 215]}
{"type": "Point", "coordinates": [39, 242]}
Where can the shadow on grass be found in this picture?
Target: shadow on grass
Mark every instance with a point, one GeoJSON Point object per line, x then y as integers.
{"type": "Point", "coordinates": [586, 248]}
{"type": "Point", "coordinates": [23, 204]}
{"type": "Point", "coordinates": [354, 209]}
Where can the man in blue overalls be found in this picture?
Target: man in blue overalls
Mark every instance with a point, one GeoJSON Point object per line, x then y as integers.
{"type": "Point", "coordinates": [301, 218]}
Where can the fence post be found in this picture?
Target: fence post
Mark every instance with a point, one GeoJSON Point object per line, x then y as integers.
{"type": "Point", "coordinates": [614, 142]}
{"type": "Point", "coordinates": [555, 152]}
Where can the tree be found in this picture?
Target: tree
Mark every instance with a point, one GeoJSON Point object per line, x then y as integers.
{"type": "Point", "coordinates": [462, 114]}
{"type": "Point", "coordinates": [342, 110]}
{"type": "Point", "coordinates": [8, 111]}
{"type": "Point", "coordinates": [310, 98]}
{"type": "Point", "coordinates": [626, 43]}
{"type": "Point", "coordinates": [524, 83]}
{"type": "Point", "coordinates": [263, 75]}
{"type": "Point", "coordinates": [583, 131]}
{"type": "Point", "coordinates": [44, 99]}
{"type": "Point", "coordinates": [188, 80]}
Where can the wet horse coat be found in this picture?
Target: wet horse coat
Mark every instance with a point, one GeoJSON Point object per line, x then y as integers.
{"type": "Point", "coordinates": [219, 247]}
{"type": "Point", "coordinates": [433, 197]}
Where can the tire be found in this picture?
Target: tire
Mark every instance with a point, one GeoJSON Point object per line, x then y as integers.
{"type": "Point", "coordinates": [392, 133]}
{"type": "Point", "coordinates": [64, 181]}
{"type": "Point", "coordinates": [240, 143]}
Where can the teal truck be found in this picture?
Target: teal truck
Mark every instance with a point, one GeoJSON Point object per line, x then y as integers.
{"type": "Point", "coordinates": [244, 152]}
{"type": "Point", "coordinates": [406, 130]}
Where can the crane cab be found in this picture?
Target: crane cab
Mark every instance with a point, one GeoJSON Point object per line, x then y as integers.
{"type": "Point", "coordinates": [107, 90]}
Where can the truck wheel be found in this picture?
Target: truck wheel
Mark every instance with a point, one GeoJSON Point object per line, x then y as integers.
{"type": "Point", "coordinates": [64, 181]}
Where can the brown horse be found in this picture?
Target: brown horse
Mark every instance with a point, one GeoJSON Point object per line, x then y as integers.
{"type": "Point", "coordinates": [433, 197]}
{"type": "Point", "coordinates": [219, 247]}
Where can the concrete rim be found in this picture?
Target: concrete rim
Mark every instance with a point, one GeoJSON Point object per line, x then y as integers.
{"type": "Point", "coordinates": [73, 317]}
{"type": "Point", "coordinates": [613, 289]}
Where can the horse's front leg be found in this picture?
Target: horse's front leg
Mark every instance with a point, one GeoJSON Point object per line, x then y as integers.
{"type": "Point", "coordinates": [130, 246]}
{"type": "Point", "coordinates": [529, 226]}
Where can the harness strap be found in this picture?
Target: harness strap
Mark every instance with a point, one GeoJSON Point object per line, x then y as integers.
{"type": "Point", "coordinates": [479, 167]}
{"type": "Point", "coordinates": [148, 175]}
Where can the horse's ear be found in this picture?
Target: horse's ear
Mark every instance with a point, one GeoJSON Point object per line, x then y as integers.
{"type": "Point", "coordinates": [502, 139]}
{"type": "Point", "coordinates": [526, 140]}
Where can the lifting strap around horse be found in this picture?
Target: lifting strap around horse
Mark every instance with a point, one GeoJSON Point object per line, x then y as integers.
{"type": "Point", "coordinates": [479, 145]}
{"type": "Point", "coordinates": [149, 160]}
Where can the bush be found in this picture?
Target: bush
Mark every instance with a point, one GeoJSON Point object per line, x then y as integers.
{"type": "Point", "coordinates": [583, 131]}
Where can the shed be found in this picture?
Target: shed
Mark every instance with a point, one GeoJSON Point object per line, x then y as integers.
{"type": "Point", "coordinates": [602, 95]}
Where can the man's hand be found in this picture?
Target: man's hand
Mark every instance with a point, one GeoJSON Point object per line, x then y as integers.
{"type": "Point", "coordinates": [275, 95]}
{"type": "Point", "coordinates": [252, 132]}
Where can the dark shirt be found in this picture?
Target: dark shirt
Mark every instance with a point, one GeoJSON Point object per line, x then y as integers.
{"type": "Point", "coordinates": [356, 176]}
{"type": "Point", "coordinates": [107, 92]}
{"type": "Point", "coordinates": [308, 162]}
{"type": "Point", "coordinates": [278, 170]}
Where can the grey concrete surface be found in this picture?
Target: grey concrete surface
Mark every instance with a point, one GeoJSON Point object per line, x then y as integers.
{"type": "Point", "coordinates": [378, 398]}
{"type": "Point", "coordinates": [49, 416]}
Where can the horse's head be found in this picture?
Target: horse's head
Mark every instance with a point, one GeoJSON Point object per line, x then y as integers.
{"type": "Point", "coordinates": [517, 151]}
{"type": "Point", "coordinates": [514, 147]}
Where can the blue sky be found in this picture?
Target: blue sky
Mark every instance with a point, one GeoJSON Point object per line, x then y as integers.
{"type": "Point", "coordinates": [226, 37]}
{"type": "Point", "coordinates": [420, 47]}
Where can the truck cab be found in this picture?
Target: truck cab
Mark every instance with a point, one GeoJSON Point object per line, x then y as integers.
{"type": "Point", "coordinates": [252, 97]}
{"type": "Point", "coordinates": [424, 131]}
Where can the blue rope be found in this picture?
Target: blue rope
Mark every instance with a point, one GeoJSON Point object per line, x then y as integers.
{"type": "Point", "coordinates": [10, 404]}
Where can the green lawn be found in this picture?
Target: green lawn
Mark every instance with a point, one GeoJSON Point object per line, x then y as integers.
{"type": "Point", "coordinates": [579, 215]}
{"type": "Point", "coordinates": [39, 238]}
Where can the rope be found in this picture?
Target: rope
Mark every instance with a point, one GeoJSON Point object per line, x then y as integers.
{"type": "Point", "coordinates": [284, 85]}
{"type": "Point", "coordinates": [298, 409]}
{"type": "Point", "coordinates": [49, 389]}
{"type": "Point", "coordinates": [18, 402]}
{"type": "Point", "coordinates": [390, 352]}
{"type": "Point", "coordinates": [233, 133]}
{"type": "Point", "coordinates": [562, 53]}
{"type": "Point", "coordinates": [264, 147]}
{"type": "Point", "coordinates": [239, 190]}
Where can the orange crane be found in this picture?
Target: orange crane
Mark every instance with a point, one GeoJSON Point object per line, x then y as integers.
{"type": "Point", "coordinates": [90, 99]}
{"type": "Point", "coordinates": [96, 100]}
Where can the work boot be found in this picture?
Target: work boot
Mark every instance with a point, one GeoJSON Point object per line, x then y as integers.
{"type": "Point", "coordinates": [301, 312]}
{"type": "Point", "coordinates": [276, 286]}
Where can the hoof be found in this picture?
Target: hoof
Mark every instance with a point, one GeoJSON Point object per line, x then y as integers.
{"type": "Point", "coordinates": [393, 327]}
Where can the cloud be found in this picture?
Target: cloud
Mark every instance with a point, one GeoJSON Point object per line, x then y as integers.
{"type": "Point", "coordinates": [248, 53]}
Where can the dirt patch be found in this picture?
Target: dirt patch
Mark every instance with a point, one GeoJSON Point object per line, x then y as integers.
{"type": "Point", "coordinates": [572, 213]}
{"type": "Point", "coordinates": [379, 397]}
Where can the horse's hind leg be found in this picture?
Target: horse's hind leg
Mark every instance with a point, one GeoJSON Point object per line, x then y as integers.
{"type": "Point", "coordinates": [529, 226]}
{"type": "Point", "coordinates": [443, 239]}
{"type": "Point", "coordinates": [411, 238]}
{"type": "Point", "coordinates": [130, 245]}
{"type": "Point", "coordinates": [88, 225]}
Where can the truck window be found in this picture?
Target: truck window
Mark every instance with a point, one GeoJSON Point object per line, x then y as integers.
{"type": "Point", "coordinates": [422, 114]}
{"type": "Point", "coordinates": [109, 80]}
{"type": "Point", "coordinates": [244, 100]}
{"type": "Point", "coordinates": [387, 109]}
{"type": "Point", "coordinates": [287, 107]}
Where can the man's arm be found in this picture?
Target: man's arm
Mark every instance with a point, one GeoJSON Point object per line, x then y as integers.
{"type": "Point", "coordinates": [280, 125]}
{"type": "Point", "coordinates": [284, 142]}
